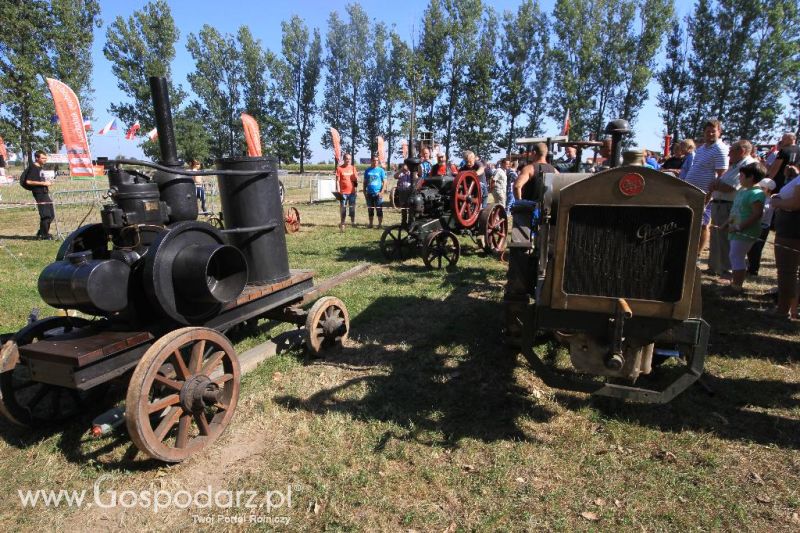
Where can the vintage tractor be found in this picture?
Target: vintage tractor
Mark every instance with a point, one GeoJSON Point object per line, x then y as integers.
{"type": "Point", "coordinates": [161, 290]}
{"type": "Point", "coordinates": [606, 264]}
{"type": "Point", "coordinates": [435, 211]}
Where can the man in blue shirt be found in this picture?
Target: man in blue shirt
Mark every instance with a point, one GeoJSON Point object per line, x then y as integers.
{"type": "Point", "coordinates": [374, 184]}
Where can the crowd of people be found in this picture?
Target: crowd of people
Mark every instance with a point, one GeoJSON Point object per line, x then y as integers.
{"type": "Point", "coordinates": [747, 197]}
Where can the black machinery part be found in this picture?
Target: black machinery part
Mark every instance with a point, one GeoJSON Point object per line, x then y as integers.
{"type": "Point", "coordinates": [93, 286]}
{"type": "Point", "coordinates": [189, 272]}
{"type": "Point", "coordinates": [253, 211]}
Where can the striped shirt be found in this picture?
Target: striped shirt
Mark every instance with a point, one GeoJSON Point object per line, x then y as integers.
{"type": "Point", "coordinates": [707, 160]}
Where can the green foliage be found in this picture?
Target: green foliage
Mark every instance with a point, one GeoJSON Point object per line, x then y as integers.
{"type": "Point", "coordinates": [396, 94]}
{"type": "Point", "coordinates": [40, 39]}
{"type": "Point", "coordinates": [191, 136]}
{"type": "Point", "coordinates": [217, 80]}
{"type": "Point", "coordinates": [140, 47]}
{"type": "Point", "coordinates": [673, 78]}
{"type": "Point", "coordinates": [299, 77]}
{"type": "Point", "coordinates": [428, 61]}
{"type": "Point", "coordinates": [335, 94]}
{"type": "Point", "coordinates": [375, 85]}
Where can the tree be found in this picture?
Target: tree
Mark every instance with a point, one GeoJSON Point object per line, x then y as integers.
{"type": "Point", "coordinates": [774, 65]}
{"type": "Point", "coordinates": [335, 95]}
{"type": "Point", "coordinates": [261, 98]}
{"type": "Point", "coordinates": [523, 65]}
{"type": "Point", "coordinates": [140, 47]}
{"type": "Point", "coordinates": [434, 46]}
{"type": "Point", "coordinates": [396, 92]}
{"type": "Point", "coordinates": [300, 77]}
{"type": "Point", "coordinates": [579, 58]}
{"type": "Point", "coordinates": [673, 78]}
{"type": "Point", "coordinates": [375, 86]}
{"type": "Point", "coordinates": [479, 119]}
{"type": "Point", "coordinates": [358, 53]}
{"type": "Point", "coordinates": [217, 80]}
{"type": "Point", "coordinates": [462, 18]}
{"type": "Point", "coordinates": [637, 69]}
{"type": "Point", "coordinates": [36, 40]}
{"type": "Point", "coordinates": [191, 136]}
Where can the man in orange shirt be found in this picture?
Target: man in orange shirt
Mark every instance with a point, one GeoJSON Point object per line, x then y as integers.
{"type": "Point", "coordinates": [346, 183]}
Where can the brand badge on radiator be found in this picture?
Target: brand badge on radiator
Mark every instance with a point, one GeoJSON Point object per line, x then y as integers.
{"type": "Point", "coordinates": [631, 184]}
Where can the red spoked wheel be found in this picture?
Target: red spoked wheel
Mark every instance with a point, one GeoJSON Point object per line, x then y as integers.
{"type": "Point", "coordinates": [493, 226]}
{"type": "Point", "coordinates": [291, 222]}
{"type": "Point", "coordinates": [467, 198]}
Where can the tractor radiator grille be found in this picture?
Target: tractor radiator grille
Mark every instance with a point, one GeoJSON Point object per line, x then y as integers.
{"type": "Point", "coordinates": [627, 252]}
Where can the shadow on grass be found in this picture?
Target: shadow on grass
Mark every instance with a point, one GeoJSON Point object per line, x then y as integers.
{"type": "Point", "coordinates": [442, 372]}
{"type": "Point", "coordinates": [19, 237]}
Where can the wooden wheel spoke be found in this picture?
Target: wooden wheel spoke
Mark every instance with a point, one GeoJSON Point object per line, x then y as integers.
{"type": "Point", "coordinates": [212, 362]}
{"type": "Point", "coordinates": [181, 365]}
{"type": "Point", "coordinates": [163, 403]}
{"type": "Point", "coordinates": [167, 423]}
{"type": "Point", "coordinates": [202, 423]}
{"type": "Point", "coordinates": [224, 378]}
{"type": "Point", "coordinates": [167, 382]}
{"type": "Point", "coordinates": [184, 424]}
{"type": "Point", "coordinates": [198, 350]}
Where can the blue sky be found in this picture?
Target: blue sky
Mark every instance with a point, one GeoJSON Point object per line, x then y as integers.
{"type": "Point", "coordinates": [264, 19]}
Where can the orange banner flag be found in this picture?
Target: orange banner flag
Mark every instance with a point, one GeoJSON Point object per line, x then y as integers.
{"type": "Point", "coordinates": [3, 150]}
{"type": "Point", "coordinates": [337, 145]}
{"type": "Point", "coordinates": [68, 109]}
{"type": "Point", "coordinates": [381, 151]}
{"type": "Point", "coordinates": [251, 135]}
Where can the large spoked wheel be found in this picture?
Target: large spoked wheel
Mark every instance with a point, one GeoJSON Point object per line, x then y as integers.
{"type": "Point", "coordinates": [327, 324]}
{"type": "Point", "coordinates": [441, 249]}
{"type": "Point", "coordinates": [467, 199]}
{"type": "Point", "coordinates": [281, 191]}
{"type": "Point", "coordinates": [30, 403]}
{"type": "Point", "coordinates": [182, 394]}
{"type": "Point", "coordinates": [493, 224]}
{"type": "Point", "coordinates": [393, 198]}
{"type": "Point", "coordinates": [397, 243]}
{"type": "Point", "coordinates": [291, 221]}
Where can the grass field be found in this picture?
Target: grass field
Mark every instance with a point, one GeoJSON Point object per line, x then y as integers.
{"type": "Point", "coordinates": [423, 421]}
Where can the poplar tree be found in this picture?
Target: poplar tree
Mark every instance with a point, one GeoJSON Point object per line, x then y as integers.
{"type": "Point", "coordinates": [300, 77]}
{"type": "Point", "coordinates": [396, 94]}
{"type": "Point", "coordinates": [335, 93]}
{"type": "Point", "coordinates": [673, 78]}
{"type": "Point", "coordinates": [375, 86]}
{"type": "Point", "coordinates": [138, 47]}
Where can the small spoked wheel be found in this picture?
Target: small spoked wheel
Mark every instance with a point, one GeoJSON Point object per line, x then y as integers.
{"type": "Point", "coordinates": [397, 243]}
{"type": "Point", "coordinates": [26, 402]}
{"type": "Point", "coordinates": [441, 249]}
{"type": "Point", "coordinates": [493, 224]}
{"type": "Point", "coordinates": [327, 324]}
{"type": "Point", "coordinates": [291, 221]}
{"type": "Point", "coordinates": [183, 393]}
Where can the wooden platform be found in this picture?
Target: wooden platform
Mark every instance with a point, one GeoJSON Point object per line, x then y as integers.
{"type": "Point", "coordinates": [84, 346]}
{"type": "Point", "coordinates": [254, 292]}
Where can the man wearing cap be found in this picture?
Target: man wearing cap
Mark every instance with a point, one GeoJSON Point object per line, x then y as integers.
{"type": "Point", "coordinates": [723, 191]}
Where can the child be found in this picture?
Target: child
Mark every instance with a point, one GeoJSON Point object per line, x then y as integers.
{"type": "Point", "coordinates": [744, 224]}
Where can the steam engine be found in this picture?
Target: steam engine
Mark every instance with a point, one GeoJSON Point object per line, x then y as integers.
{"type": "Point", "coordinates": [150, 259]}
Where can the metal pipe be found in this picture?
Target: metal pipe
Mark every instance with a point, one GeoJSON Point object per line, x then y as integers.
{"type": "Point", "coordinates": [163, 115]}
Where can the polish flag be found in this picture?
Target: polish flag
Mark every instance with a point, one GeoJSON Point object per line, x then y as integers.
{"type": "Point", "coordinates": [87, 124]}
{"type": "Point", "coordinates": [108, 127]}
{"type": "Point", "coordinates": [133, 131]}
{"type": "Point", "coordinates": [565, 129]}
{"type": "Point", "coordinates": [152, 134]}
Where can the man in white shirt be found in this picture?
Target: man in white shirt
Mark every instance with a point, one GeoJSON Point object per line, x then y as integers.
{"type": "Point", "coordinates": [723, 191]}
{"type": "Point", "coordinates": [710, 162]}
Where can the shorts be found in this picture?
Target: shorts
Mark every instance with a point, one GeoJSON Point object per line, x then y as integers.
{"type": "Point", "coordinates": [374, 200]}
{"type": "Point", "coordinates": [738, 253]}
{"type": "Point", "coordinates": [348, 199]}
{"type": "Point", "coordinates": [707, 214]}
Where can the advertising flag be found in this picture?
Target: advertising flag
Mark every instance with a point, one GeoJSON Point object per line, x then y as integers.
{"type": "Point", "coordinates": [251, 135]}
{"type": "Point", "coordinates": [152, 134]}
{"type": "Point", "coordinates": [565, 129]}
{"type": "Point", "coordinates": [68, 109]}
{"type": "Point", "coordinates": [381, 151]}
{"type": "Point", "coordinates": [112, 125]}
{"type": "Point", "coordinates": [3, 149]}
{"type": "Point", "coordinates": [337, 145]}
{"type": "Point", "coordinates": [132, 131]}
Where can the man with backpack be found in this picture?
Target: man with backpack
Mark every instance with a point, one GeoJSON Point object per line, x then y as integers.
{"type": "Point", "coordinates": [33, 181]}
